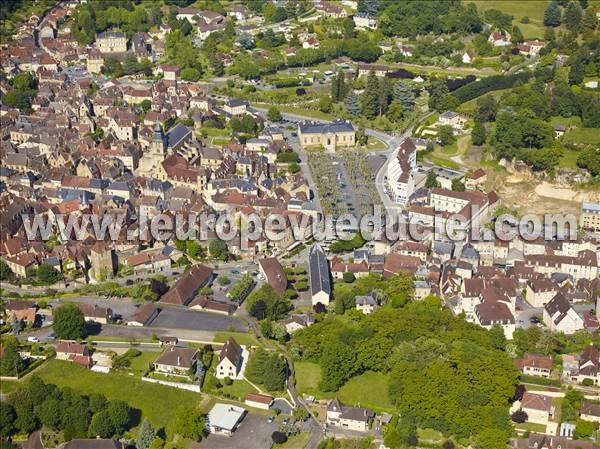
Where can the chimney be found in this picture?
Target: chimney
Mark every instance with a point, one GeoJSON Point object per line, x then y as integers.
{"type": "Point", "coordinates": [178, 360]}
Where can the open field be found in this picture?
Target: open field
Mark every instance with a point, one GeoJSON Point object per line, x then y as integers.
{"type": "Point", "coordinates": [534, 9]}
{"type": "Point", "coordinates": [156, 402]}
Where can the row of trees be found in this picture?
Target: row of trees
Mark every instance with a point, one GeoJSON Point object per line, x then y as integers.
{"type": "Point", "coordinates": [265, 303]}
{"type": "Point", "coordinates": [39, 404]}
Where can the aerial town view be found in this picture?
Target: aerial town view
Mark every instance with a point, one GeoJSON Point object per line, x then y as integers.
{"type": "Point", "coordinates": [299, 224]}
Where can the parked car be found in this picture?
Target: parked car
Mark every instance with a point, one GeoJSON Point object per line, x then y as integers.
{"type": "Point", "coordinates": [33, 339]}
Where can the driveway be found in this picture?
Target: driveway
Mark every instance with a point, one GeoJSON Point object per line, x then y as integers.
{"type": "Point", "coordinates": [253, 433]}
{"type": "Point", "coordinates": [172, 318]}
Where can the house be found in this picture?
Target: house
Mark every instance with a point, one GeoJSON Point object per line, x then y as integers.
{"type": "Point", "coordinates": [339, 133]}
{"type": "Point", "coordinates": [224, 419]}
{"type": "Point", "coordinates": [590, 216]}
{"type": "Point", "coordinates": [538, 407]}
{"type": "Point", "coordinates": [256, 400]}
{"type": "Point", "coordinates": [586, 367]}
{"type": "Point", "coordinates": [95, 313]}
{"type": "Point", "coordinates": [362, 20]}
{"type": "Point", "coordinates": [188, 285]}
{"type": "Point", "coordinates": [273, 272]}
{"type": "Point", "coordinates": [400, 172]}
{"type": "Point", "coordinates": [366, 304]}
{"type": "Point", "coordinates": [474, 180]}
{"type": "Point", "coordinates": [560, 316]}
{"type": "Point", "coordinates": [209, 304]}
{"type": "Point", "coordinates": [236, 107]}
{"type": "Point", "coordinates": [74, 352]}
{"type": "Point", "coordinates": [589, 411]}
{"type": "Point", "coordinates": [559, 130]}
{"type": "Point", "coordinates": [467, 58]}
{"type": "Point", "coordinates": [351, 418]}
{"type": "Point", "coordinates": [499, 39]}
{"type": "Point", "coordinates": [453, 119]}
{"type": "Point", "coordinates": [176, 360]}
{"type": "Point", "coordinates": [495, 313]}
{"type": "Point", "coordinates": [537, 441]}
{"type": "Point", "coordinates": [540, 291]}
{"type": "Point", "coordinates": [231, 361]}
{"type": "Point", "coordinates": [298, 321]}
{"type": "Point", "coordinates": [379, 70]}
{"type": "Point", "coordinates": [535, 365]}
{"type": "Point", "coordinates": [144, 315]}
{"type": "Point", "coordinates": [111, 42]}
{"type": "Point", "coordinates": [320, 277]}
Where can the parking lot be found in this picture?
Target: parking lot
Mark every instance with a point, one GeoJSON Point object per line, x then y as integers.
{"type": "Point", "coordinates": [253, 433]}
{"type": "Point", "coordinates": [172, 318]}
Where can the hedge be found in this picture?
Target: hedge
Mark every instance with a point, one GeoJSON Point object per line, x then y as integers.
{"type": "Point", "coordinates": [540, 381]}
{"type": "Point", "coordinates": [489, 84]}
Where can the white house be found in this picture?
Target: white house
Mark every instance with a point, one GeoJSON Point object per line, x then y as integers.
{"type": "Point", "coordinates": [231, 361]}
{"type": "Point", "coordinates": [560, 316]}
{"type": "Point", "coordinates": [224, 419]}
{"type": "Point", "coordinates": [320, 277]}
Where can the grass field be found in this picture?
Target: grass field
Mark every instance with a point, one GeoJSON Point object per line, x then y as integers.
{"type": "Point", "coordinates": [369, 389]}
{"type": "Point", "coordinates": [313, 113]}
{"type": "Point", "coordinates": [534, 9]}
{"type": "Point", "coordinates": [156, 402]}
{"type": "Point", "coordinates": [308, 376]}
{"type": "Point", "coordinates": [238, 389]}
{"type": "Point", "coordinates": [294, 442]}
{"type": "Point", "coordinates": [590, 136]}
{"type": "Point", "coordinates": [240, 337]}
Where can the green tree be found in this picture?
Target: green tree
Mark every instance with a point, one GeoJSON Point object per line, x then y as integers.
{"type": "Point", "coordinates": [120, 415]}
{"type": "Point", "coordinates": [47, 274]}
{"type": "Point", "coordinates": [8, 417]}
{"type": "Point", "coordinates": [395, 111]}
{"type": "Point", "coordinates": [399, 289]}
{"type": "Point", "coordinates": [69, 322]}
{"type": "Point", "coordinates": [218, 249]}
{"type": "Point", "coordinates": [577, 71]}
{"type": "Point", "coordinates": [325, 104]}
{"type": "Point", "coordinates": [146, 105]}
{"type": "Point", "coordinates": [487, 108]}
{"type": "Point", "coordinates": [584, 429]}
{"type": "Point", "coordinates": [573, 16]}
{"type": "Point", "coordinates": [11, 363]}
{"type": "Point", "coordinates": [352, 104]}
{"type": "Point", "coordinates": [478, 134]}
{"type": "Point", "coordinates": [5, 271]}
{"type": "Point", "coordinates": [338, 88]}
{"type": "Point", "coordinates": [189, 423]}
{"type": "Point", "coordinates": [275, 373]}
{"type": "Point", "coordinates": [101, 425]}
{"type": "Point", "coordinates": [438, 95]}
{"type": "Point", "coordinates": [369, 99]}
{"type": "Point", "coordinates": [49, 412]}
{"type": "Point", "coordinates": [274, 115]}
{"type": "Point", "coordinates": [552, 15]}
{"type": "Point", "coordinates": [446, 135]}
{"type": "Point", "coordinates": [146, 435]}
{"type": "Point", "coordinates": [190, 74]}
{"type": "Point", "coordinates": [431, 181]}
{"type": "Point", "coordinates": [404, 95]}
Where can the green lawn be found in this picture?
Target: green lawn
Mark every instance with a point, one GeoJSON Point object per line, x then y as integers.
{"type": "Point", "coordinates": [569, 159]}
{"type": "Point", "coordinates": [441, 161]}
{"type": "Point", "coordinates": [240, 337]}
{"type": "Point", "coordinates": [308, 376]}
{"type": "Point", "coordinates": [531, 427]}
{"type": "Point", "coordinates": [313, 113]}
{"type": "Point", "coordinates": [140, 364]}
{"type": "Point", "coordinates": [294, 442]}
{"type": "Point", "coordinates": [157, 402]}
{"type": "Point", "coordinates": [8, 386]}
{"type": "Point", "coordinates": [534, 9]}
{"type": "Point", "coordinates": [238, 389]}
{"type": "Point", "coordinates": [430, 435]}
{"type": "Point", "coordinates": [589, 136]}
{"type": "Point", "coordinates": [370, 389]}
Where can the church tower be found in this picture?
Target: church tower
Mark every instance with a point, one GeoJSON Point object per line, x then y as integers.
{"type": "Point", "coordinates": [159, 143]}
